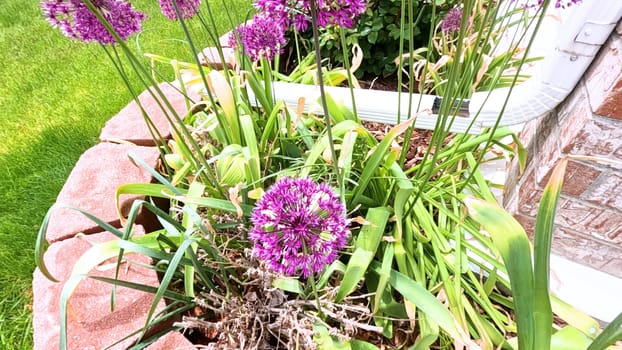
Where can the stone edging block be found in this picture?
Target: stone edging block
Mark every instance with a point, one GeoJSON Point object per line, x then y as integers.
{"type": "Point", "coordinates": [92, 185]}
{"type": "Point", "coordinates": [129, 124]}
{"type": "Point", "coordinates": [210, 57]}
{"type": "Point", "coordinates": [91, 324]}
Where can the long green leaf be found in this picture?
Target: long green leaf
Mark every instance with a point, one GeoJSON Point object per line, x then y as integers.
{"type": "Point", "coordinates": [404, 189]}
{"type": "Point", "coordinates": [365, 249]}
{"type": "Point", "coordinates": [545, 222]}
{"type": "Point", "coordinates": [512, 243]}
{"type": "Point", "coordinates": [338, 130]}
{"type": "Point", "coordinates": [346, 153]}
{"type": "Point", "coordinates": [166, 279]}
{"type": "Point", "coordinates": [254, 169]}
{"type": "Point", "coordinates": [424, 300]}
{"type": "Point", "coordinates": [611, 334]}
{"type": "Point", "coordinates": [214, 203]}
{"type": "Point", "coordinates": [143, 189]}
{"type": "Point", "coordinates": [271, 127]}
{"type": "Point", "coordinates": [574, 317]}
{"type": "Point", "coordinates": [383, 276]}
{"type": "Point", "coordinates": [569, 338]}
{"type": "Point", "coordinates": [136, 159]}
{"type": "Point", "coordinates": [289, 285]}
{"type": "Point", "coordinates": [377, 157]}
{"type": "Point", "coordinates": [68, 288]}
{"type": "Point", "coordinates": [336, 266]}
{"type": "Point", "coordinates": [171, 295]}
{"type": "Point", "coordinates": [40, 243]}
{"type": "Point", "coordinates": [195, 189]}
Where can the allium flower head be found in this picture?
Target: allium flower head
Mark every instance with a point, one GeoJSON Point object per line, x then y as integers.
{"type": "Point", "coordinates": [261, 38]}
{"type": "Point", "coordinates": [339, 12]}
{"type": "Point", "coordinates": [76, 21]}
{"type": "Point", "coordinates": [566, 3]}
{"type": "Point", "coordinates": [298, 227]}
{"type": "Point", "coordinates": [187, 8]}
{"type": "Point", "coordinates": [558, 3]}
{"type": "Point", "coordinates": [297, 12]}
{"type": "Point", "coordinates": [452, 20]}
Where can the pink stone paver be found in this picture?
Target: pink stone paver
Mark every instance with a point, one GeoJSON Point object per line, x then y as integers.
{"type": "Point", "coordinates": [92, 185]}
{"type": "Point", "coordinates": [211, 58]}
{"type": "Point", "coordinates": [91, 324]}
{"type": "Point", "coordinates": [129, 124]}
{"type": "Point", "coordinates": [224, 39]}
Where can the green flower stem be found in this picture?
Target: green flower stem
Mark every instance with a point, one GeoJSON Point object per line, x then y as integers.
{"type": "Point", "coordinates": [313, 285]}
{"type": "Point", "coordinates": [296, 41]}
{"type": "Point", "coordinates": [346, 63]}
{"type": "Point", "coordinates": [316, 295]}
{"type": "Point", "coordinates": [320, 81]}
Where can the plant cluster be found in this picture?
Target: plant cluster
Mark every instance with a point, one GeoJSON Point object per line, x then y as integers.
{"type": "Point", "coordinates": [380, 33]}
{"type": "Point", "coordinates": [423, 37]}
{"type": "Point", "coordinates": [330, 237]}
{"type": "Point", "coordinates": [481, 36]}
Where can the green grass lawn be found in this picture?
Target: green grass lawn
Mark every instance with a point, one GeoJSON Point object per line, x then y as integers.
{"type": "Point", "coordinates": [55, 96]}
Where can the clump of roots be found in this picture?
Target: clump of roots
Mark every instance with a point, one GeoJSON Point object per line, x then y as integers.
{"type": "Point", "coordinates": [264, 317]}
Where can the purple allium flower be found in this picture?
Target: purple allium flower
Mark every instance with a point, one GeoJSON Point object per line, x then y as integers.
{"type": "Point", "coordinates": [452, 20]}
{"type": "Point", "coordinates": [76, 21]}
{"type": "Point", "coordinates": [187, 8]}
{"type": "Point", "coordinates": [558, 3]}
{"type": "Point", "coordinates": [565, 3]}
{"type": "Point", "coordinates": [261, 38]}
{"type": "Point", "coordinates": [298, 227]}
{"type": "Point", "coordinates": [297, 12]}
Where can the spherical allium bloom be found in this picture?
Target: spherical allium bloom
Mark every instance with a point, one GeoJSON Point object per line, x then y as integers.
{"type": "Point", "coordinates": [298, 227]}
{"type": "Point", "coordinates": [261, 38]}
{"type": "Point", "coordinates": [451, 21]}
{"type": "Point", "coordinates": [76, 21]}
{"type": "Point", "coordinates": [339, 12]}
{"type": "Point", "coordinates": [187, 8]}
{"type": "Point", "coordinates": [298, 14]}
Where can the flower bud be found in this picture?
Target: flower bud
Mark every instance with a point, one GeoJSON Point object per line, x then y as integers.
{"type": "Point", "coordinates": [230, 167]}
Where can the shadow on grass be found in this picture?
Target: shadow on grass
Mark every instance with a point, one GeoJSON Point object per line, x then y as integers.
{"type": "Point", "coordinates": [30, 180]}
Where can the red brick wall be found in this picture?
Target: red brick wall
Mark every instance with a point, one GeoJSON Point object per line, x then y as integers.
{"type": "Point", "coordinates": [589, 122]}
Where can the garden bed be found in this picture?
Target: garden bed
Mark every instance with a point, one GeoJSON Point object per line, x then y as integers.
{"type": "Point", "coordinates": [286, 206]}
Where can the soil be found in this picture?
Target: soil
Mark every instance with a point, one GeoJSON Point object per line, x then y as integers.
{"type": "Point", "coordinates": [389, 83]}
{"type": "Point", "coordinates": [419, 140]}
